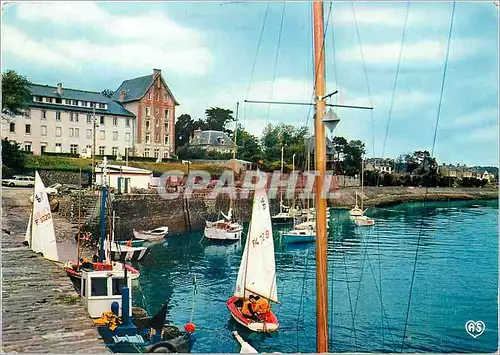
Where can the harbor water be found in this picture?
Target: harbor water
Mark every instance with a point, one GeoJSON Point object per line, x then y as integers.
{"type": "Point", "coordinates": [370, 272]}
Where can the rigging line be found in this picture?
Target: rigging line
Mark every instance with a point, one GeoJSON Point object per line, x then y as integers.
{"type": "Point", "coordinates": [427, 187]}
{"type": "Point", "coordinates": [276, 60]}
{"type": "Point", "coordinates": [396, 77]}
{"type": "Point", "coordinates": [255, 60]}
{"type": "Point", "coordinates": [335, 72]}
{"type": "Point", "coordinates": [350, 301]}
{"type": "Point", "coordinates": [366, 75]}
{"type": "Point", "coordinates": [302, 296]}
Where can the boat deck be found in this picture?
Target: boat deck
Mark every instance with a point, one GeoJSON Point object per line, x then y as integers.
{"type": "Point", "coordinates": [41, 312]}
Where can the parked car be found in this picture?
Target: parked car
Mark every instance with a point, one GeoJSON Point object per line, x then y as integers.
{"type": "Point", "coordinates": [19, 180]}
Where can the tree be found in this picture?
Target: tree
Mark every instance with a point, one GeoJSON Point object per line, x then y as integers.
{"type": "Point", "coordinates": [353, 153]}
{"type": "Point", "coordinates": [107, 92]}
{"type": "Point", "coordinates": [248, 146]}
{"type": "Point", "coordinates": [275, 136]}
{"type": "Point", "coordinates": [12, 156]}
{"type": "Point", "coordinates": [217, 118]}
{"type": "Point", "coordinates": [15, 92]}
{"type": "Point", "coordinates": [184, 128]}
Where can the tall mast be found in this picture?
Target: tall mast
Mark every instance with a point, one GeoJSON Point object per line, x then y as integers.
{"type": "Point", "coordinates": [320, 158]}
{"type": "Point", "coordinates": [281, 190]}
{"type": "Point", "coordinates": [234, 151]}
{"type": "Point", "coordinates": [362, 180]}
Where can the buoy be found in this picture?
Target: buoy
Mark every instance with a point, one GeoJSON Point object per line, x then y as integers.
{"type": "Point", "coordinates": [190, 327]}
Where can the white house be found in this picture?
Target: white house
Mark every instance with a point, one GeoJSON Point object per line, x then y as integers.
{"type": "Point", "coordinates": [128, 176]}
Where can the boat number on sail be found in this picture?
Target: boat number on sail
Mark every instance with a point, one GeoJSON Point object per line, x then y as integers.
{"type": "Point", "coordinates": [263, 202]}
{"type": "Point", "coordinates": [42, 217]}
{"type": "Point", "coordinates": [39, 197]}
{"type": "Point", "coordinates": [260, 238]}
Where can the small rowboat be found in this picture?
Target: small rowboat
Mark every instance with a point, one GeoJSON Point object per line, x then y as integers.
{"type": "Point", "coordinates": [268, 322]}
{"type": "Point", "coordinates": [152, 234]}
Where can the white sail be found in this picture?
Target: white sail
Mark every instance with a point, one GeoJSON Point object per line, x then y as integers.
{"type": "Point", "coordinates": [27, 236]}
{"type": "Point", "coordinates": [245, 347]}
{"type": "Point", "coordinates": [257, 274]}
{"type": "Point", "coordinates": [43, 238]}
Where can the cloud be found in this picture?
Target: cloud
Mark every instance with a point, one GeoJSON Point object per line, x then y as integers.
{"type": "Point", "coordinates": [481, 116]}
{"type": "Point", "coordinates": [432, 51]}
{"type": "Point", "coordinates": [149, 40]}
{"type": "Point", "coordinates": [483, 134]}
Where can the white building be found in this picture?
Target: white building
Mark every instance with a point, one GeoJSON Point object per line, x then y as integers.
{"type": "Point", "coordinates": [60, 120]}
{"type": "Point", "coordinates": [135, 177]}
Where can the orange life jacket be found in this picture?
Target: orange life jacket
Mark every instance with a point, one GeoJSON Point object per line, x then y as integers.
{"type": "Point", "coordinates": [245, 309]}
{"type": "Point", "coordinates": [261, 306]}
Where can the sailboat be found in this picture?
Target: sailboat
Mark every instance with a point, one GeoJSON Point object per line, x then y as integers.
{"type": "Point", "coordinates": [361, 219]}
{"type": "Point", "coordinates": [283, 216]}
{"type": "Point", "coordinates": [104, 263]}
{"type": "Point", "coordinates": [258, 259]}
{"type": "Point", "coordinates": [226, 229]}
{"type": "Point", "coordinates": [40, 235]}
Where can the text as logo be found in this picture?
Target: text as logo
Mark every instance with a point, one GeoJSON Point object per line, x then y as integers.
{"type": "Point", "coordinates": [475, 329]}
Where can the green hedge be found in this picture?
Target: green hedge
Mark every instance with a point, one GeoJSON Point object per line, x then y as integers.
{"type": "Point", "coordinates": [67, 155]}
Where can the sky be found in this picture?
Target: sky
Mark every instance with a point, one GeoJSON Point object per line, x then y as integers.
{"type": "Point", "coordinates": [210, 56]}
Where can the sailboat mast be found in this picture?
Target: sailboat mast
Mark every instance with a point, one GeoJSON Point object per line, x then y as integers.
{"type": "Point", "coordinates": [234, 150]}
{"type": "Point", "coordinates": [362, 180]}
{"type": "Point", "coordinates": [320, 162]}
{"type": "Point", "coordinates": [281, 190]}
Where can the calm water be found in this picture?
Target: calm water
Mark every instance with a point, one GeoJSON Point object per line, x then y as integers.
{"type": "Point", "coordinates": [370, 271]}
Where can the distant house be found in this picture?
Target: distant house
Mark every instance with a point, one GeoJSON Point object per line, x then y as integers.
{"type": "Point", "coordinates": [212, 141]}
{"type": "Point", "coordinates": [379, 164]}
{"type": "Point", "coordinates": [129, 176]}
{"type": "Point", "coordinates": [151, 100]}
{"type": "Point", "coordinates": [330, 150]}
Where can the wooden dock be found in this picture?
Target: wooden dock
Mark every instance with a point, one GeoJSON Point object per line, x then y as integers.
{"type": "Point", "coordinates": [41, 312]}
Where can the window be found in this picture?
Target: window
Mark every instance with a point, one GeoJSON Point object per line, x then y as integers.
{"type": "Point", "coordinates": [89, 134]}
{"type": "Point", "coordinates": [114, 151]}
{"type": "Point", "coordinates": [102, 135]}
{"type": "Point", "coordinates": [58, 147]}
{"type": "Point", "coordinates": [127, 122]}
{"type": "Point", "coordinates": [76, 116]}
{"type": "Point", "coordinates": [157, 111]}
{"type": "Point", "coordinates": [12, 127]}
{"type": "Point", "coordinates": [148, 111]}
{"type": "Point", "coordinates": [58, 100]}
{"type": "Point", "coordinates": [102, 105]}
{"type": "Point", "coordinates": [158, 97]}
{"type": "Point", "coordinates": [166, 127]}
{"type": "Point", "coordinates": [127, 137]}
{"type": "Point", "coordinates": [44, 115]}
{"type": "Point", "coordinates": [92, 104]}
{"type": "Point", "coordinates": [88, 148]}
{"type": "Point", "coordinates": [77, 132]}
{"type": "Point", "coordinates": [115, 121]}
{"type": "Point", "coordinates": [74, 102]}
{"type": "Point", "coordinates": [43, 131]}
{"type": "Point", "coordinates": [58, 116]}
{"type": "Point", "coordinates": [58, 131]}
{"type": "Point", "coordinates": [115, 135]}
{"type": "Point", "coordinates": [73, 148]}
{"type": "Point", "coordinates": [117, 285]}
{"type": "Point", "coordinates": [101, 150]}
{"type": "Point", "coordinates": [165, 140]}
{"type": "Point", "coordinates": [84, 103]}
{"type": "Point", "coordinates": [27, 146]}
{"type": "Point", "coordinates": [149, 95]}
{"type": "Point", "coordinates": [157, 138]}
{"type": "Point", "coordinates": [146, 152]}
{"type": "Point", "coordinates": [38, 98]}
{"type": "Point", "coordinates": [71, 116]}
{"type": "Point", "coordinates": [28, 129]}
{"type": "Point", "coordinates": [99, 286]}
{"type": "Point", "coordinates": [147, 125]}
{"type": "Point", "coordinates": [157, 153]}
{"type": "Point", "coordinates": [165, 154]}
{"type": "Point", "coordinates": [67, 102]}
{"type": "Point", "coordinates": [102, 119]}
{"type": "Point", "coordinates": [148, 139]}
{"type": "Point", "coordinates": [128, 151]}
{"type": "Point", "coordinates": [89, 118]}
{"type": "Point", "coordinates": [71, 132]}
{"type": "Point", "coordinates": [43, 147]}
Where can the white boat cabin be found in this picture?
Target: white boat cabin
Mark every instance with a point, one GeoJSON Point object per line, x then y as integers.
{"type": "Point", "coordinates": [99, 289]}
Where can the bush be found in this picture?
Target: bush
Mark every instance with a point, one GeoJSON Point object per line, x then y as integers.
{"type": "Point", "coordinates": [67, 155]}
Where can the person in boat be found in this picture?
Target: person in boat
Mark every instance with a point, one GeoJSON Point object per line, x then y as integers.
{"type": "Point", "coordinates": [86, 264]}
{"type": "Point", "coordinates": [248, 308]}
{"type": "Point", "coordinates": [261, 305]}
{"type": "Point", "coordinates": [95, 258]}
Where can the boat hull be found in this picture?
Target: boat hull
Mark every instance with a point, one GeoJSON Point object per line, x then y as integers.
{"type": "Point", "coordinates": [214, 233]}
{"type": "Point", "coordinates": [268, 324]}
{"type": "Point", "coordinates": [135, 243]}
{"type": "Point", "coordinates": [131, 255]}
{"type": "Point", "coordinates": [296, 238]}
{"type": "Point", "coordinates": [76, 275]}
{"type": "Point", "coordinates": [144, 235]}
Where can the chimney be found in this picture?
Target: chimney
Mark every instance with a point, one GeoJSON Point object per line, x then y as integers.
{"type": "Point", "coordinates": [59, 89]}
{"type": "Point", "coordinates": [122, 95]}
{"type": "Point", "coordinates": [156, 72]}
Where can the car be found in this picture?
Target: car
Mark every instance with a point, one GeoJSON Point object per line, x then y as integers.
{"type": "Point", "coordinates": [19, 180]}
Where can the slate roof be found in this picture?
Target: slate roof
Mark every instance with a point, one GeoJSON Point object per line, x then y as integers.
{"type": "Point", "coordinates": [114, 108]}
{"type": "Point", "coordinates": [211, 138]}
{"type": "Point", "coordinates": [136, 88]}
